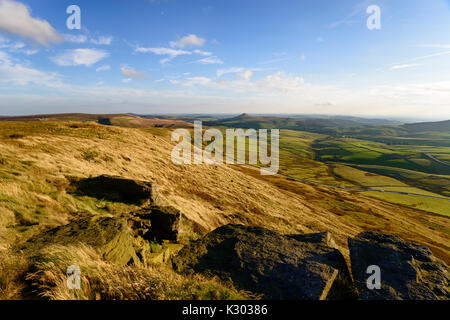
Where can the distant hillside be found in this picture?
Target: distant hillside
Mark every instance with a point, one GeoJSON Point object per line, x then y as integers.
{"type": "Point", "coordinates": [336, 126]}
{"type": "Point", "coordinates": [270, 122]}
{"type": "Point", "coordinates": [122, 120]}
{"type": "Point", "coordinates": [359, 120]}
{"type": "Point", "coordinates": [443, 126]}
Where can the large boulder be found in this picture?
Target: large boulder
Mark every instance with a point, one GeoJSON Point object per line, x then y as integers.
{"type": "Point", "coordinates": [267, 263]}
{"type": "Point", "coordinates": [110, 236]}
{"type": "Point", "coordinates": [408, 271]}
{"type": "Point", "coordinates": [115, 188]}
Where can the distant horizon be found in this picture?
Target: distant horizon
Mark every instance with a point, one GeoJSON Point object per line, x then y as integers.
{"type": "Point", "coordinates": [388, 118]}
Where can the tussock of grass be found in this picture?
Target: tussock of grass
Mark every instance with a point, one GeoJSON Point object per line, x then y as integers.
{"type": "Point", "coordinates": [103, 280]}
{"type": "Point", "coordinates": [12, 268]}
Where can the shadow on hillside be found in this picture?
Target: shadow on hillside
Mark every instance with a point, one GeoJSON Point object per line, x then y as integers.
{"type": "Point", "coordinates": [115, 189]}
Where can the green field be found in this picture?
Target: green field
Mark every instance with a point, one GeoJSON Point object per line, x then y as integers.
{"type": "Point", "coordinates": [369, 165]}
{"type": "Point", "coordinates": [413, 159]}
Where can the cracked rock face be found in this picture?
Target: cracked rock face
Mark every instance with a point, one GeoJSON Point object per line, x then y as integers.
{"type": "Point", "coordinates": [408, 271]}
{"type": "Point", "coordinates": [264, 262]}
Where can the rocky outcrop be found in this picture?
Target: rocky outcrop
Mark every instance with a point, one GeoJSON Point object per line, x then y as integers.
{"type": "Point", "coordinates": [114, 188]}
{"type": "Point", "coordinates": [156, 223]}
{"type": "Point", "coordinates": [110, 236]}
{"type": "Point", "coordinates": [264, 262]}
{"type": "Point", "coordinates": [165, 223]}
{"type": "Point", "coordinates": [408, 271]}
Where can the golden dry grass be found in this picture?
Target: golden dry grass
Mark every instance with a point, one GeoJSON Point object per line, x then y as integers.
{"type": "Point", "coordinates": [34, 167]}
{"type": "Point", "coordinates": [101, 280]}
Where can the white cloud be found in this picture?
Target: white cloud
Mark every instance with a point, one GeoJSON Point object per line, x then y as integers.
{"type": "Point", "coordinates": [403, 66]}
{"type": "Point", "coordinates": [18, 47]}
{"type": "Point", "coordinates": [277, 83]}
{"type": "Point", "coordinates": [163, 51]}
{"type": "Point", "coordinates": [21, 75]}
{"type": "Point", "coordinates": [103, 68]}
{"type": "Point", "coordinates": [204, 81]}
{"type": "Point", "coordinates": [188, 41]}
{"type": "Point", "coordinates": [210, 60]}
{"type": "Point", "coordinates": [78, 57]}
{"type": "Point", "coordinates": [15, 18]}
{"type": "Point", "coordinates": [75, 38]}
{"type": "Point", "coordinates": [281, 82]}
{"type": "Point", "coordinates": [127, 80]}
{"type": "Point", "coordinates": [81, 38]}
{"type": "Point", "coordinates": [131, 73]}
{"type": "Point", "coordinates": [245, 75]}
{"type": "Point", "coordinates": [203, 53]}
{"type": "Point", "coordinates": [444, 53]}
{"type": "Point", "coordinates": [30, 52]}
{"type": "Point", "coordinates": [164, 61]}
{"type": "Point", "coordinates": [171, 53]}
{"type": "Point", "coordinates": [106, 41]}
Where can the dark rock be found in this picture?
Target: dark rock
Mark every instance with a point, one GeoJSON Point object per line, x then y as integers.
{"type": "Point", "coordinates": [324, 238]}
{"type": "Point", "coordinates": [114, 188]}
{"type": "Point", "coordinates": [409, 271]}
{"type": "Point", "coordinates": [156, 223]}
{"type": "Point", "coordinates": [264, 262]}
{"type": "Point", "coordinates": [165, 223]}
{"type": "Point", "coordinates": [110, 236]}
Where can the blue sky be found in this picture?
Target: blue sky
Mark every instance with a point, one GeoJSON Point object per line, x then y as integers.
{"type": "Point", "coordinates": [226, 56]}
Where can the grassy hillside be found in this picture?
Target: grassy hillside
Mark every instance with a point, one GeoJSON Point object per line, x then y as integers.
{"type": "Point", "coordinates": [123, 120]}
{"type": "Point", "coordinates": [38, 158]}
{"type": "Point", "coordinates": [443, 126]}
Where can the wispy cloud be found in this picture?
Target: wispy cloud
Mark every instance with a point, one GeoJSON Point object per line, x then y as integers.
{"type": "Point", "coordinates": [210, 60]}
{"type": "Point", "coordinates": [203, 53]}
{"type": "Point", "coordinates": [270, 61]}
{"type": "Point", "coordinates": [17, 47]}
{"type": "Point", "coordinates": [103, 68]}
{"type": "Point", "coordinates": [132, 73]}
{"type": "Point", "coordinates": [163, 51]}
{"type": "Point", "coordinates": [171, 53]}
{"type": "Point", "coordinates": [102, 40]}
{"type": "Point", "coordinates": [238, 70]}
{"type": "Point", "coordinates": [20, 74]}
{"type": "Point", "coordinates": [244, 75]}
{"type": "Point", "coordinates": [404, 66]}
{"type": "Point", "coordinates": [191, 40]}
{"type": "Point", "coordinates": [78, 57]}
{"type": "Point", "coordinates": [80, 38]}
{"type": "Point", "coordinates": [444, 53]}
{"type": "Point", "coordinates": [221, 72]}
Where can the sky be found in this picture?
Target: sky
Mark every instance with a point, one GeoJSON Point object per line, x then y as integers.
{"type": "Point", "coordinates": [226, 56]}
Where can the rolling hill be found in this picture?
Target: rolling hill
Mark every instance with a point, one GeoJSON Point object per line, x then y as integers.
{"type": "Point", "coordinates": [123, 120]}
